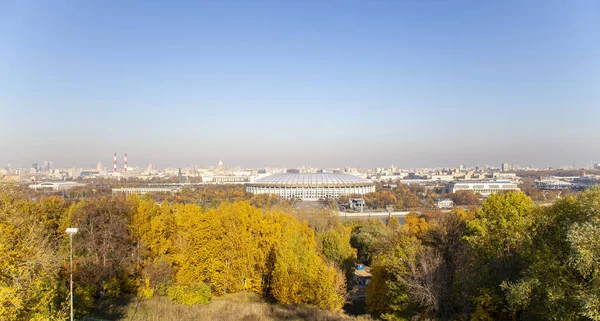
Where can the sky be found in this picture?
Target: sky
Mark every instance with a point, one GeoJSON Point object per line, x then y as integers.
{"type": "Point", "coordinates": [290, 83]}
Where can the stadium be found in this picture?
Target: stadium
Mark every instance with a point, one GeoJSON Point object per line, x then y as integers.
{"type": "Point", "coordinates": [314, 186]}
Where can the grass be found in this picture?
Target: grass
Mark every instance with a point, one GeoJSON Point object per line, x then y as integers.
{"type": "Point", "coordinates": [243, 307]}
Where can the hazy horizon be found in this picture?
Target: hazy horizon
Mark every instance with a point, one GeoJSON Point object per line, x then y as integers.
{"type": "Point", "coordinates": [335, 84]}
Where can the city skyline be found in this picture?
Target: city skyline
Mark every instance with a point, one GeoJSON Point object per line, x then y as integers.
{"type": "Point", "coordinates": [109, 165]}
{"type": "Point", "coordinates": [415, 84]}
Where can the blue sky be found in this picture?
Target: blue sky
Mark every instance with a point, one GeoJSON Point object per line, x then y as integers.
{"type": "Point", "coordinates": [323, 83]}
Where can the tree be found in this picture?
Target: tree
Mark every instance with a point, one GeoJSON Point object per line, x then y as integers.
{"type": "Point", "coordinates": [387, 294]}
{"type": "Point", "coordinates": [562, 278]}
{"type": "Point", "coordinates": [299, 275]}
{"type": "Point", "coordinates": [265, 200]}
{"type": "Point", "coordinates": [502, 225]}
{"type": "Point", "coordinates": [465, 198]}
{"type": "Point", "coordinates": [30, 287]}
{"type": "Point", "coordinates": [497, 234]}
{"type": "Point", "coordinates": [105, 250]}
{"type": "Point", "coordinates": [439, 278]}
{"type": "Point", "coordinates": [365, 235]}
{"type": "Point", "coordinates": [335, 244]}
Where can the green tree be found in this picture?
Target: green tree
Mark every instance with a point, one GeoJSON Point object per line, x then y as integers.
{"type": "Point", "coordinates": [562, 279]}
{"type": "Point", "coordinates": [335, 244]}
{"type": "Point", "coordinates": [365, 235]}
{"type": "Point", "coordinates": [498, 234]}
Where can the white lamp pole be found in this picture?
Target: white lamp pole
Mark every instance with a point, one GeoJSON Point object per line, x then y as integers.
{"type": "Point", "coordinates": [71, 231]}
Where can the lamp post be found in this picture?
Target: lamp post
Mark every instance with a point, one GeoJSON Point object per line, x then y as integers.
{"type": "Point", "coordinates": [71, 231]}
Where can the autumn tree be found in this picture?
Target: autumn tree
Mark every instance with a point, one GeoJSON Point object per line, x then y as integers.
{"type": "Point", "coordinates": [300, 275]}
{"type": "Point", "coordinates": [30, 287]}
{"type": "Point", "coordinates": [387, 294]}
{"type": "Point", "coordinates": [104, 249]}
{"type": "Point", "coordinates": [465, 198]}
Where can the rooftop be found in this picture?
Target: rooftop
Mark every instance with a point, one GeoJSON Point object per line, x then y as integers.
{"type": "Point", "coordinates": [312, 179]}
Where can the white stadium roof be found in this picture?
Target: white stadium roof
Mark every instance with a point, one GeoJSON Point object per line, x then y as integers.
{"type": "Point", "coordinates": [312, 179]}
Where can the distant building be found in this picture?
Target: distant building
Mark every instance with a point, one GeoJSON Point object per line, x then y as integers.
{"type": "Point", "coordinates": [99, 167]}
{"type": "Point", "coordinates": [356, 204]}
{"type": "Point", "coordinates": [313, 186]}
{"type": "Point", "coordinates": [55, 186]}
{"type": "Point", "coordinates": [88, 173]}
{"type": "Point", "coordinates": [444, 203]}
{"type": "Point", "coordinates": [508, 176]}
{"type": "Point", "coordinates": [484, 188]}
{"type": "Point", "coordinates": [143, 190]}
{"type": "Point", "coordinates": [229, 179]}
{"type": "Point", "coordinates": [505, 167]}
{"type": "Point", "coordinates": [597, 166]}
{"type": "Point", "coordinates": [442, 178]}
{"type": "Point", "coordinates": [552, 184]}
{"type": "Point", "coordinates": [292, 171]}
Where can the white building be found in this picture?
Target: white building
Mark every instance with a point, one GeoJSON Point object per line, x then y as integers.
{"type": "Point", "coordinates": [484, 188]}
{"type": "Point", "coordinates": [504, 176]}
{"type": "Point", "coordinates": [143, 190]}
{"type": "Point", "coordinates": [55, 186]}
{"type": "Point", "coordinates": [229, 179]}
{"type": "Point", "coordinates": [314, 186]}
{"type": "Point", "coordinates": [356, 204]}
{"type": "Point", "coordinates": [552, 184]}
{"type": "Point", "coordinates": [442, 178]}
{"type": "Point", "coordinates": [444, 203]}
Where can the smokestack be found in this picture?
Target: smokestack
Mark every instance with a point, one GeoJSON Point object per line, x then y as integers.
{"type": "Point", "coordinates": [115, 163]}
{"type": "Point", "coordinates": [125, 167]}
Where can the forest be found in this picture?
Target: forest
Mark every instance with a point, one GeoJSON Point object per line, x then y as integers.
{"type": "Point", "coordinates": [507, 259]}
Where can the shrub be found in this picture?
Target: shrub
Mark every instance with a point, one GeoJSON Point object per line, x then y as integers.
{"type": "Point", "coordinates": [197, 293]}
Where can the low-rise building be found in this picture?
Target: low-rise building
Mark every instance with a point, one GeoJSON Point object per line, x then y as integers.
{"type": "Point", "coordinates": [444, 203]}
{"type": "Point", "coordinates": [357, 204]}
{"type": "Point", "coordinates": [552, 184]}
{"type": "Point", "coordinates": [55, 186]}
{"type": "Point", "coordinates": [361, 278]}
{"type": "Point", "coordinates": [230, 179]}
{"type": "Point", "coordinates": [143, 190]}
{"type": "Point", "coordinates": [505, 176]}
{"type": "Point", "coordinates": [442, 178]}
{"type": "Point", "coordinates": [484, 188]}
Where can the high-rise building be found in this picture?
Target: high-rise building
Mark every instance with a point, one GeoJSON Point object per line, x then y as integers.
{"type": "Point", "coordinates": [35, 166]}
{"type": "Point", "coordinates": [505, 167]}
{"type": "Point", "coordinates": [597, 166]}
{"type": "Point", "coordinates": [48, 165]}
{"type": "Point", "coordinates": [99, 167]}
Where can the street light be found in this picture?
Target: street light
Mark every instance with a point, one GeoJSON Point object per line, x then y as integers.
{"type": "Point", "coordinates": [71, 231]}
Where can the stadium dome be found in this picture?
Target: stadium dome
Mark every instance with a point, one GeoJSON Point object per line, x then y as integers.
{"type": "Point", "coordinates": [312, 186]}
